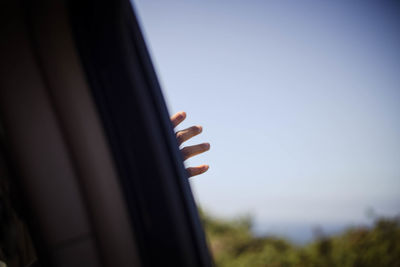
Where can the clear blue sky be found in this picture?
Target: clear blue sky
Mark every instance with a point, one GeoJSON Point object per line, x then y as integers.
{"type": "Point", "coordinates": [300, 101]}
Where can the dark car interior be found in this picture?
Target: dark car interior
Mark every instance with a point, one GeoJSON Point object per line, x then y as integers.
{"type": "Point", "coordinates": [91, 173]}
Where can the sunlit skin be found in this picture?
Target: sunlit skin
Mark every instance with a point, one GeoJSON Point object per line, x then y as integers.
{"type": "Point", "coordinates": [190, 151]}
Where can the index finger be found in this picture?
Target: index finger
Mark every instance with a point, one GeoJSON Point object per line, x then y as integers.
{"type": "Point", "coordinates": [178, 118]}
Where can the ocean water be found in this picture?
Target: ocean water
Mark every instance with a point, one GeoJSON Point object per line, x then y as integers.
{"type": "Point", "coordinates": [303, 233]}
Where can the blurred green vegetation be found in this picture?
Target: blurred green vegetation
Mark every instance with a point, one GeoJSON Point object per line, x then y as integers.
{"type": "Point", "coordinates": [233, 244]}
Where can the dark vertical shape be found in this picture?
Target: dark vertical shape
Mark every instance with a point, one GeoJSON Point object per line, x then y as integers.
{"type": "Point", "coordinates": [135, 118]}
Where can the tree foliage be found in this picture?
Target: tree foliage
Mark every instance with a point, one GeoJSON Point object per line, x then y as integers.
{"type": "Point", "coordinates": [233, 244]}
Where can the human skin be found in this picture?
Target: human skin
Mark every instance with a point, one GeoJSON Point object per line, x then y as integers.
{"type": "Point", "coordinates": [190, 151]}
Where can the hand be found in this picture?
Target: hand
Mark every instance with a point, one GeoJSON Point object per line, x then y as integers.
{"type": "Point", "coordinates": [190, 151]}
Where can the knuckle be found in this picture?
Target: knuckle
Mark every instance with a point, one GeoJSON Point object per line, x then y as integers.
{"type": "Point", "coordinates": [185, 152]}
{"type": "Point", "coordinates": [179, 136]}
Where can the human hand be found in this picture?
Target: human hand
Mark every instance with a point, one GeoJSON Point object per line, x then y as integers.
{"type": "Point", "coordinates": [190, 151]}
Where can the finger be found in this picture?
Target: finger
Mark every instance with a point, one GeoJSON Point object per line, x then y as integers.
{"type": "Point", "coordinates": [190, 151]}
{"type": "Point", "coordinates": [178, 118]}
{"type": "Point", "coordinates": [188, 133]}
{"type": "Point", "coordinates": [193, 171]}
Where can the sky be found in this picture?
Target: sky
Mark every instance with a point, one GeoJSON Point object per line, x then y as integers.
{"type": "Point", "coordinates": [300, 101]}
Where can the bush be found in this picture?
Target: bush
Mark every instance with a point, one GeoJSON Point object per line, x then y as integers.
{"type": "Point", "coordinates": [233, 244]}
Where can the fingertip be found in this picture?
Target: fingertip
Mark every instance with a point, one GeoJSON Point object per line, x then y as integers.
{"type": "Point", "coordinates": [182, 114]}
{"type": "Point", "coordinates": [207, 146]}
{"type": "Point", "coordinates": [203, 168]}
{"type": "Point", "coordinates": [194, 171]}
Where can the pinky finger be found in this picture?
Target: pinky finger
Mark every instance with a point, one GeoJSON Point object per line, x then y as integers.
{"type": "Point", "coordinates": [193, 171]}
